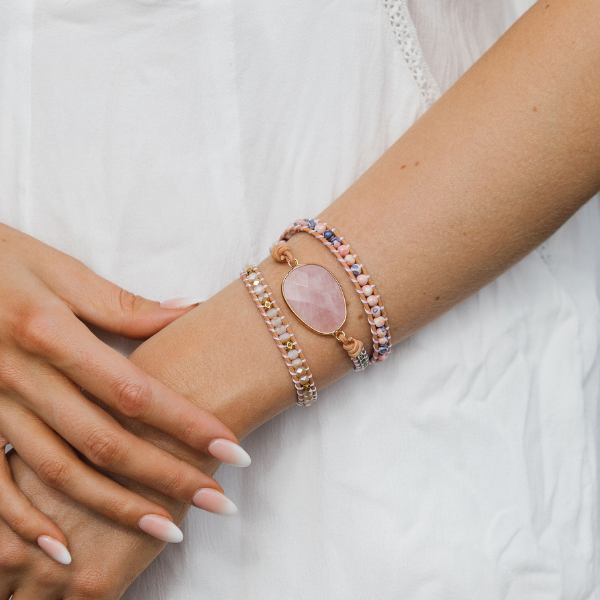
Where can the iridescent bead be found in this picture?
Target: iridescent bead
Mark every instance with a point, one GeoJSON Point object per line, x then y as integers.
{"type": "Point", "coordinates": [350, 260]}
{"type": "Point", "coordinates": [272, 313]}
{"type": "Point", "coordinates": [304, 379]}
{"type": "Point", "coordinates": [293, 354]}
{"type": "Point", "coordinates": [300, 371]}
{"type": "Point", "coordinates": [320, 228]}
{"type": "Point", "coordinates": [284, 337]}
{"type": "Point", "coordinates": [252, 276]}
{"type": "Point", "coordinates": [328, 234]}
{"type": "Point", "coordinates": [379, 321]}
{"type": "Point", "coordinates": [372, 301]}
{"type": "Point", "coordinates": [367, 290]}
{"type": "Point", "coordinates": [297, 362]}
{"type": "Point", "coordinates": [343, 250]}
{"type": "Point", "coordinates": [276, 322]}
{"type": "Point", "coordinates": [259, 289]}
{"type": "Point", "coordinates": [263, 298]}
{"type": "Point", "coordinates": [362, 280]}
{"type": "Point", "coordinates": [279, 330]}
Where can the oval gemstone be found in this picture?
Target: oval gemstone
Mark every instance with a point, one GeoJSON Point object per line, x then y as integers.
{"type": "Point", "coordinates": [315, 296]}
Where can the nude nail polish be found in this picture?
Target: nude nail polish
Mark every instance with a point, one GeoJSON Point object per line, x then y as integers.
{"type": "Point", "coordinates": [54, 549]}
{"type": "Point", "coordinates": [214, 501]}
{"type": "Point", "coordinates": [161, 528]}
{"type": "Point", "coordinates": [229, 452]}
{"type": "Point", "coordinates": [180, 302]}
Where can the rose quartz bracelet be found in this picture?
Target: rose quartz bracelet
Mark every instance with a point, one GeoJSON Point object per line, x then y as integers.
{"type": "Point", "coordinates": [316, 298]}
{"type": "Point", "coordinates": [282, 334]}
{"type": "Point", "coordinates": [358, 275]}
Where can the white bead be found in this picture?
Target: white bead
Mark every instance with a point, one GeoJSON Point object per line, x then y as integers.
{"type": "Point", "coordinates": [284, 337]}
{"type": "Point", "coordinates": [293, 354]}
{"type": "Point", "coordinates": [272, 313]}
{"type": "Point", "coordinates": [303, 380]}
{"type": "Point", "coordinates": [297, 362]}
{"type": "Point", "coordinates": [367, 290]}
{"type": "Point", "coordinates": [253, 276]}
{"type": "Point", "coordinates": [276, 322]}
{"type": "Point", "coordinates": [259, 289]}
{"type": "Point", "coordinates": [300, 372]}
{"type": "Point", "coordinates": [279, 330]}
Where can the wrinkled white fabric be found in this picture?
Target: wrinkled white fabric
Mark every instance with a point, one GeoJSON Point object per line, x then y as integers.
{"type": "Point", "coordinates": [165, 144]}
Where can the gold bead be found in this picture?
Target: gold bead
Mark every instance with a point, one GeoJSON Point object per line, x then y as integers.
{"type": "Point", "coordinates": [267, 304]}
{"type": "Point", "coordinates": [289, 345]}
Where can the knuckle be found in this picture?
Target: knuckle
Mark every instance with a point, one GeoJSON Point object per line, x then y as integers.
{"type": "Point", "coordinates": [36, 330]}
{"type": "Point", "coordinates": [132, 397]}
{"type": "Point", "coordinates": [129, 302]}
{"type": "Point", "coordinates": [104, 448]}
{"type": "Point", "coordinates": [91, 584]}
{"type": "Point", "coordinates": [176, 482]}
{"type": "Point", "coordinates": [55, 472]}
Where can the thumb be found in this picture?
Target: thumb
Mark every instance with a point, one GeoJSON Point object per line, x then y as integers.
{"type": "Point", "coordinates": [106, 305]}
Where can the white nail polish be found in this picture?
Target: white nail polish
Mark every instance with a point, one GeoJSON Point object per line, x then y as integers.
{"type": "Point", "coordinates": [229, 452]}
{"type": "Point", "coordinates": [214, 501]}
{"type": "Point", "coordinates": [180, 302]}
{"type": "Point", "coordinates": [161, 528]}
{"type": "Point", "coordinates": [54, 549]}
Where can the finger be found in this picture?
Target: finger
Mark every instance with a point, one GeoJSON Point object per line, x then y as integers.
{"type": "Point", "coordinates": [73, 349]}
{"type": "Point", "coordinates": [25, 519]}
{"type": "Point", "coordinates": [57, 465]}
{"type": "Point", "coordinates": [102, 440]}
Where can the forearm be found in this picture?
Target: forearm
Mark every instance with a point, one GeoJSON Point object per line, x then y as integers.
{"type": "Point", "coordinates": [491, 170]}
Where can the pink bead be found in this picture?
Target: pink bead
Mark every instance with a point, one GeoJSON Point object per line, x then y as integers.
{"type": "Point", "coordinates": [350, 260]}
{"type": "Point", "coordinates": [362, 280]}
{"type": "Point", "coordinates": [381, 332]}
{"type": "Point", "coordinates": [379, 321]}
{"type": "Point", "coordinates": [343, 250]}
{"type": "Point", "coordinates": [320, 228]}
{"type": "Point", "coordinates": [372, 301]}
{"type": "Point", "coordinates": [381, 340]}
{"type": "Point", "coordinates": [367, 290]}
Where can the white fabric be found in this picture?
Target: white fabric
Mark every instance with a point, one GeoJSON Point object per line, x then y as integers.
{"type": "Point", "coordinates": [134, 134]}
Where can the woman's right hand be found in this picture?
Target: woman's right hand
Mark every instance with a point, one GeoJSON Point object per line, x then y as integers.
{"type": "Point", "coordinates": [47, 355]}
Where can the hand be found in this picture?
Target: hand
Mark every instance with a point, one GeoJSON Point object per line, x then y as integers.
{"type": "Point", "coordinates": [47, 354]}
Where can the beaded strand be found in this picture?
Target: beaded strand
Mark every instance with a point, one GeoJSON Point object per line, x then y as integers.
{"type": "Point", "coordinates": [282, 334]}
{"type": "Point", "coordinates": [363, 283]}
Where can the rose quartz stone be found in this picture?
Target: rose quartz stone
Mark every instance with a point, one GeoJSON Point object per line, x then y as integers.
{"type": "Point", "coordinates": [372, 301]}
{"type": "Point", "coordinates": [362, 280]}
{"type": "Point", "coordinates": [315, 296]}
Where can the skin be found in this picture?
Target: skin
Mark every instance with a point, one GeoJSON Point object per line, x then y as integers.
{"type": "Point", "coordinates": [503, 159]}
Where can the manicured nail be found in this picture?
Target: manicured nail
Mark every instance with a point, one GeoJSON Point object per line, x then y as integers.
{"type": "Point", "coordinates": [229, 452]}
{"type": "Point", "coordinates": [160, 528]}
{"type": "Point", "coordinates": [54, 549]}
{"type": "Point", "coordinates": [180, 302]}
{"type": "Point", "coordinates": [215, 502]}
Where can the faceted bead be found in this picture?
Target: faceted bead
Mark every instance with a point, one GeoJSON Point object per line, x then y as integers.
{"type": "Point", "coordinates": [379, 321]}
{"type": "Point", "coordinates": [350, 260]}
{"type": "Point", "coordinates": [259, 289]}
{"type": "Point", "coordinates": [279, 330]}
{"type": "Point", "coordinates": [252, 276]}
{"type": "Point", "coordinates": [367, 290]}
{"type": "Point", "coordinates": [320, 228]}
{"type": "Point", "coordinates": [276, 322]}
{"type": "Point", "coordinates": [362, 280]}
{"type": "Point", "coordinates": [316, 298]}
{"type": "Point", "coordinates": [272, 313]}
{"type": "Point", "coordinates": [372, 301]}
{"type": "Point", "coordinates": [293, 354]}
{"type": "Point", "coordinates": [297, 362]}
{"type": "Point", "coordinates": [343, 250]}
{"type": "Point", "coordinates": [284, 337]}
{"type": "Point", "coordinates": [304, 379]}
{"type": "Point", "coordinates": [263, 298]}
{"type": "Point", "coordinates": [300, 371]}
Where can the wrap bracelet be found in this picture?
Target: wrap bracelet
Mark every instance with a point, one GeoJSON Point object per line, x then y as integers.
{"type": "Point", "coordinates": [362, 281]}
{"type": "Point", "coordinates": [282, 334]}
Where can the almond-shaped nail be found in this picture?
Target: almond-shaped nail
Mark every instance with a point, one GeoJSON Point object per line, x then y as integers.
{"type": "Point", "coordinates": [180, 302]}
{"type": "Point", "coordinates": [160, 528]}
{"type": "Point", "coordinates": [214, 501]}
{"type": "Point", "coordinates": [54, 549]}
{"type": "Point", "coordinates": [229, 452]}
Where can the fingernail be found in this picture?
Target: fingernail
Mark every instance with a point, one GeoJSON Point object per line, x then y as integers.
{"type": "Point", "coordinates": [215, 502]}
{"type": "Point", "coordinates": [180, 302]}
{"type": "Point", "coordinates": [54, 549]}
{"type": "Point", "coordinates": [160, 528]}
{"type": "Point", "coordinates": [229, 452]}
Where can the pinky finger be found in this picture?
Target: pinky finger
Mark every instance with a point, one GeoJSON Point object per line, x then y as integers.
{"type": "Point", "coordinates": [25, 519]}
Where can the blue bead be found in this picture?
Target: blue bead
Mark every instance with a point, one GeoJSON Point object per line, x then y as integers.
{"type": "Point", "coordinates": [297, 224]}
{"type": "Point", "coordinates": [376, 311]}
{"type": "Point", "coordinates": [382, 350]}
{"type": "Point", "coordinates": [328, 234]}
{"type": "Point", "coordinates": [356, 269]}
{"type": "Point", "coordinates": [335, 239]}
{"type": "Point", "coordinates": [311, 223]}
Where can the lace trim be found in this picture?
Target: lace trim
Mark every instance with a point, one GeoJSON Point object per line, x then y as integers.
{"type": "Point", "coordinates": [406, 36]}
